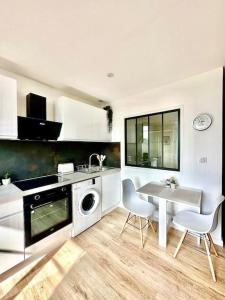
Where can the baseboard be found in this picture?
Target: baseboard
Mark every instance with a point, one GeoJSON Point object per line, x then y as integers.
{"type": "Point", "coordinates": [218, 242]}
{"type": "Point", "coordinates": [107, 211]}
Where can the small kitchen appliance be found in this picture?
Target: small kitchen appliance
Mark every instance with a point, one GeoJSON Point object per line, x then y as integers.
{"type": "Point", "coordinates": [66, 168]}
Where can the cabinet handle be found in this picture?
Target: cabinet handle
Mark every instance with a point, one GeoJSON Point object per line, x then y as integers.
{"type": "Point", "coordinates": [34, 207]}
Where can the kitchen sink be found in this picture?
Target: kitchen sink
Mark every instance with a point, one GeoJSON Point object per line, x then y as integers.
{"type": "Point", "coordinates": [93, 169]}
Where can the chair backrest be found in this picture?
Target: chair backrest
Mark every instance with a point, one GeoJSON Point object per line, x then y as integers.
{"type": "Point", "coordinates": [213, 217]}
{"type": "Point", "coordinates": [129, 194]}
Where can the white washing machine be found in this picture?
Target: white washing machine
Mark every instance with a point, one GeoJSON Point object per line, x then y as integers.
{"type": "Point", "coordinates": [87, 206]}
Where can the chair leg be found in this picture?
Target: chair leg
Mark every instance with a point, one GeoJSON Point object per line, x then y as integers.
{"type": "Point", "coordinates": [125, 223]}
{"type": "Point", "coordinates": [180, 243]}
{"type": "Point", "coordinates": [141, 233]}
{"type": "Point", "coordinates": [209, 259]}
{"type": "Point", "coordinates": [152, 227]}
{"type": "Point", "coordinates": [213, 246]}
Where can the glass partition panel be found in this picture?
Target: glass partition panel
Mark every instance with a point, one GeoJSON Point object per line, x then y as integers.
{"type": "Point", "coordinates": [155, 140]}
{"type": "Point", "coordinates": [131, 141]}
{"type": "Point", "coordinates": [170, 140]}
{"type": "Point", "coordinates": [142, 141]}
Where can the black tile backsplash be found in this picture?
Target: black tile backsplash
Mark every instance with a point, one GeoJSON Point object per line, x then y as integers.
{"type": "Point", "coordinates": [27, 159]}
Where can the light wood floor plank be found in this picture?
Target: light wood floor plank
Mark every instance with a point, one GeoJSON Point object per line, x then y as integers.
{"type": "Point", "coordinates": [102, 264]}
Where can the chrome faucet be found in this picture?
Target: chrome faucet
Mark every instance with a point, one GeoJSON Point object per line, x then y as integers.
{"type": "Point", "coordinates": [89, 164]}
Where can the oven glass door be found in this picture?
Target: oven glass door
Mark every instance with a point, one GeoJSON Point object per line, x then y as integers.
{"type": "Point", "coordinates": [46, 216]}
{"type": "Point", "coordinates": [42, 218]}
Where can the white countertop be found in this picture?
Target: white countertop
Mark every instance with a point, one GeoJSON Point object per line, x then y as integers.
{"type": "Point", "coordinates": [11, 197]}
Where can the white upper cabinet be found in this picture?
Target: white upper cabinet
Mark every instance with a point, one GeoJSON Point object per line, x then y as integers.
{"type": "Point", "coordinates": [8, 107]}
{"type": "Point", "coordinates": [81, 121]}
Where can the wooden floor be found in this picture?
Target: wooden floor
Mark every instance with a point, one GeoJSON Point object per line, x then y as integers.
{"type": "Point", "coordinates": [101, 264]}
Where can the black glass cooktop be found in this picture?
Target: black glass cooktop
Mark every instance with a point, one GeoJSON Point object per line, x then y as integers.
{"type": "Point", "coordinates": [33, 183]}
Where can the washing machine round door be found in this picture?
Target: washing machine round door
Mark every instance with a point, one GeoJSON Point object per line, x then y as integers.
{"type": "Point", "coordinates": [89, 202]}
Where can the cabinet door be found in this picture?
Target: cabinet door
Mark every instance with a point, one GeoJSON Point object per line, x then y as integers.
{"type": "Point", "coordinates": [11, 241]}
{"type": "Point", "coordinates": [111, 191]}
{"type": "Point", "coordinates": [81, 121]}
{"type": "Point", "coordinates": [8, 107]}
{"type": "Point", "coordinates": [76, 119]}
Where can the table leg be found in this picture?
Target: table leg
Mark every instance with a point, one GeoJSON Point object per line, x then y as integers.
{"type": "Point", "coordinates": [162, 223]}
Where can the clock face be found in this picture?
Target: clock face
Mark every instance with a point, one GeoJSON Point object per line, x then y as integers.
{"type": "Point", "coordinates": [202, 122]}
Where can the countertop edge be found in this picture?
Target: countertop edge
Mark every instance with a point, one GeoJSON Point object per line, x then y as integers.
{"type": "Point", "coordinates": [11, 193]}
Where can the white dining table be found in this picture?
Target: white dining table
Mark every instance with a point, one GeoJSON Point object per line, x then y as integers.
{"type": "Point", "coordinates": [181, 195]}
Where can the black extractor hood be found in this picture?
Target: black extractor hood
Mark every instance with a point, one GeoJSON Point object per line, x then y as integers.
{"type": "Point", "coordinates": [35, 126]}
{"type": "Point", "coordinates": [37, 129]}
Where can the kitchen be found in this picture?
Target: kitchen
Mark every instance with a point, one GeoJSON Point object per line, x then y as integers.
{"type": "Point", "coordinates": [36, 195]}
{"type": "Point", "coordinates": [103, 131]}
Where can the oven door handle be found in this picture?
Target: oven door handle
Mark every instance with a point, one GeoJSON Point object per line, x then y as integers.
{"type": "Point", "coordinates": [44, 204]}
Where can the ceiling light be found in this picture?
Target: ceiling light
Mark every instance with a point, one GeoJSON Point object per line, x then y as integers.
{"type": "Point", "coordinates": [110, 75]}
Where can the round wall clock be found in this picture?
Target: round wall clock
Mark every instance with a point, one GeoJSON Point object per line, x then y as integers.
{"type": "Point", "coordinates": [202, 122]}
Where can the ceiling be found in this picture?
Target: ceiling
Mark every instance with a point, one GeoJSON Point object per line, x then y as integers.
{"type": "Point", "coordinates": [73, 44]}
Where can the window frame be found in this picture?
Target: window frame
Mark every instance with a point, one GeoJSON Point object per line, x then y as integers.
{"type": "Point", "coordinates": [148, 115]}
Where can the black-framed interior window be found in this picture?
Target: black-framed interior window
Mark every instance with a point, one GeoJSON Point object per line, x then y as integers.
{"type": "Point", "coordinates": [153, 140]}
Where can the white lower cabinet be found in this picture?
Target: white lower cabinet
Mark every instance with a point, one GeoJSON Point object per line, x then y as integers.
{"type": "Point", "coordinates": [111, 191]}
{"type": "Point", "coordinates": [11, 241]}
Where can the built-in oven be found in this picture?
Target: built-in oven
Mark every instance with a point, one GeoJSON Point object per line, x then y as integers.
{"type": "Point", "coordinates": [46, 212]}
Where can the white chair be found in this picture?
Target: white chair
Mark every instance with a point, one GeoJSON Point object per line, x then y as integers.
{"type": "Point", "coordinates": [136, 207]}
{"type": "Point", "coordinates": [200, 225]}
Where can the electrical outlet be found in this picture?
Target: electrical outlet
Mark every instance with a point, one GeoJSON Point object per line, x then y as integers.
{"type": "Point", "coordinates": [203, 160]}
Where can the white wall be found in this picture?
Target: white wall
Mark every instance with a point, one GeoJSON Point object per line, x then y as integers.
{"type": "Point", "coordinates": [26, 85]}
{"type": "Point", "coordinates": [202, 93]}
